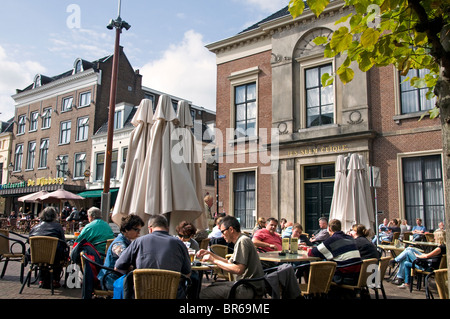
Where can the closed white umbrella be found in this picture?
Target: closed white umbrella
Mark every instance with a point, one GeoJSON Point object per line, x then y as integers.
{"type": "Point", "coordinates": [358, 206]}
{"type": "Point", "coordinates": [185, 151]}
{"type": "Point", "coordinates": [337, 210]}
{"type": "Point", "coordinates": [167, 187]}
{"type": "Point", "coordinates": [127, 202]}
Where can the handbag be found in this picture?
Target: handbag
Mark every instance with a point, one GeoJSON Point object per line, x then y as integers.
{"type": "Point", "coordinates": [428, 264]}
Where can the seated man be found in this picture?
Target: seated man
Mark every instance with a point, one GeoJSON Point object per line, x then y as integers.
{"type": "Point", "coordinates": [340, 248]}
{"type": "Point", "coordinates": [158, 250]}
{"type": "Point", "coordinates": [267, 239]}
{"type": "Point", "coordinates": [419, 230]}
{"type": "Point", "coordinates": [244, 263]}
{"type": "Point", "coordinates": [322, 233]}
{"type": "Point", "coordinates": [97, 230]}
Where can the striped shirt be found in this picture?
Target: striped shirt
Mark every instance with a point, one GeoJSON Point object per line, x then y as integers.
{"type": "Point", "coordinates": [342, 249]}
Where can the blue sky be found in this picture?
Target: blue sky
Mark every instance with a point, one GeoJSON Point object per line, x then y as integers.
{"type": "Point", "coordinates": [165, 38]}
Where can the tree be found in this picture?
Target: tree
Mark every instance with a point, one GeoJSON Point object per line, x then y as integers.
{"type": "Point", "coordinates": [409, 34]}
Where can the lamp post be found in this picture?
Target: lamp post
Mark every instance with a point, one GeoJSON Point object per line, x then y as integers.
{"type": "Point", "coordinates": [118, 24]}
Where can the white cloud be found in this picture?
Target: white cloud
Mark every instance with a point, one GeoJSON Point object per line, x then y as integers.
{"type": "Point", "coordinates": [186, 70]}
{"type": "Point", "coordinates": [14, 75]}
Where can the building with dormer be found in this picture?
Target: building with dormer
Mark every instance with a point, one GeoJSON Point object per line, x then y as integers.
{"type": "Point", "coordinates": [269, 78]}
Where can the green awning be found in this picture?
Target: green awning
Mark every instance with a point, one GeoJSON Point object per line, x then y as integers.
{"type": "Point", "coordinates": [96, 193]}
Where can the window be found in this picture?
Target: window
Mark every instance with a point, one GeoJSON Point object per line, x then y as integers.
{"type": "Point", "coordinates": [78, 67]}
{"type": "Point", "coordinates": [423, 188]}
{"type": "Point", "coordinates": [210, 168]}
{"type": "Point", "coordinates": [64, 135]}
{"type": "Point", "coordinates": [245, 198]}
{"type": "Point", "coordinates": [245, 110]}
{"type": "Point", "coordinates": [34, 121]}
{"type": "Point", "coordinates": [99, 166]}
{"type": "Point", "coordinates": [18, 157]}
{"type": "Point", "coordinates": [47, 117]}
{"type": "Point", "coordinates": [31, 155]}
{"type": "Point", "coordinates": [319, 99]}
{"type": "Point", "coordinates": [63, 166]}
{"type": "Point", "coordinates": [80, 165]}
{"type": "Point", "coordinates": [21, 124]}
{"type": "Point", "coordinates": [67, 104]}
{"type": "Point", "coordinates": [413, 99]}
{"type": "Point", "coordinates": [114, 157]}
{"type": "Point", "coordinates": [124, 160]}
{"type": "Point", "coordinates": [118, 119]}
{"type": "Point", "coordinates": [82, 128]}
{"type": "Point", "coordinates": [37, 81]}
{"type": "Point", "coordinates": [85, 99]}
{"type": "Point", "coordinates": [43, 154]}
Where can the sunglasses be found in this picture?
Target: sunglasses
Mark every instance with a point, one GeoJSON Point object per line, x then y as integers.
{"type": "Point", "coordinates": [222, 231]}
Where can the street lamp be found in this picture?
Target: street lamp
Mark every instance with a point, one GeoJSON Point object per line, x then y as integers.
{"type": "Point", "coordinates": [118, 24]}
{"type": "Point", "coordinates": [61, 164]}
{"type": "Point", "coordinates": [10, 171]}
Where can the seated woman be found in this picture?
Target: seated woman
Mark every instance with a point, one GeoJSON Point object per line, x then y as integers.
{"type": "Point", "coordinates": [366, 248]}
{"type": "Point", "coordinates": [186, 232]}
{"type": "Point", "coordinates": [48, 226]}
{"type": "Point", "coordinates": [406, 258]}
{"type": "Point", "coordinates": [130, 228]}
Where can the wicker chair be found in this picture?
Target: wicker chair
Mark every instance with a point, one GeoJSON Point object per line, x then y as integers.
{"type": "Point", "coordinates": [204, 243]}
{"type": "Point", "coordinates": [395, 236]}
{"type": "Point", "coordinates": [42, 251]}
{"type": "Point", "coordinates": [9, 253]}
{"type": "Point", "coordinates": [382, 267]}
{"type": "Point", "coordinates": [364, 274]}
{"type": "Point", "coordinates": [156, 283]}
{"type": "Point", "coordinates": [222, 251]}
{"type": "Point", "coordinates": [441, 279]}
{"type": "Point", "coordinates": [319, 280]}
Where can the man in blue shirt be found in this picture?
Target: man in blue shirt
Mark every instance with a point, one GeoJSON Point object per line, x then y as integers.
{"type": "Point", "coordinates": [157, 250]}
{"type": "Point", "coordinates": [418, 230]}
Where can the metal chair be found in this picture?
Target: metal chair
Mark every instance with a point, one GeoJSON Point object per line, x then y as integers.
{"type": "Point", "coordinates": [8, 252]}
{"type": "Point", "coordinates": [92, 287]}
{"type": "Point", "coordinates": [42, 251]}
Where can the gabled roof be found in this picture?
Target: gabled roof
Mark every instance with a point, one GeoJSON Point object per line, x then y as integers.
{"type": "Point", "coordinates": [279, 14]}
{"type": "Point", "coordinates": [47, 79]}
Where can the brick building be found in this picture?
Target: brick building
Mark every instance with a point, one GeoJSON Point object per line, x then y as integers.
{"type": "Point", "coordinates": [269, 77]}
{"type": "Point", "coordinates": [56, 117]}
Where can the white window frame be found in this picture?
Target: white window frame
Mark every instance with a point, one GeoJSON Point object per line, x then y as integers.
{"type": "Point", "coordinates": [85, 99]}
{"type": "Point", "coordinates": [82, 129]}
{"type": "Point", "coordinates": [46, 118]}
{"type": "Point", "coordinates": [43, 153]}
{"type": "Point", "coordinates": [21, 123]}
{"type": "Point", "coordinates": [308, 63]}
{"type": "Point", "coordinates": [67, 132]}
{"type": "Point", "coordinates": [31, 155]}
{"type": "Point", "coordinates": [34, 117]}
{"type": "Point", "coordinates": [79, 160]}
{"type": "Point", "coordinates": [65, 105]}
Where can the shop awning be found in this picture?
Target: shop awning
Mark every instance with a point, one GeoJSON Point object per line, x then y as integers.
{"type": "Point", "coordinates": [96, 193]}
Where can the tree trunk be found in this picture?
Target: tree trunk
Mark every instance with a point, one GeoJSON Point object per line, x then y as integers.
{"type": "Point", "coordinates": [443, 92]}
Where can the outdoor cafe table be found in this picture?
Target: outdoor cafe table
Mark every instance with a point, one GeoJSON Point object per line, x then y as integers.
{"type": "Point", "coordinates": [201, 269]}
{"type": "Point", "coordinates": [427, 246]}
{"type": "Point", "coordinates": [274, 256]}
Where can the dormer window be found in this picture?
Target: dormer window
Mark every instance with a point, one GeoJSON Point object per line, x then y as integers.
{"type": "Point", "coordinates": [78, 66]}
{"type": "Point", "coordinates": [37, 81]}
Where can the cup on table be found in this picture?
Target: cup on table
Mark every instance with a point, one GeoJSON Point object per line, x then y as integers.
{"type": "Point", "coordinates": [76, 234]}
{"type": "Point", "coordinates": [191, 254]}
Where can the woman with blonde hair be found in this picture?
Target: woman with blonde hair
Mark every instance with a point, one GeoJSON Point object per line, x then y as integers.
{"type": "Point", "coordinates": [406, 258]}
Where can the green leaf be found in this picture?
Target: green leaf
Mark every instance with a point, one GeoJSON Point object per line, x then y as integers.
{"type": "Point", "coordinates": [364, 61]}
{"type": "Point", "coordinates": [345, 74]}
{"type": "Point", "coordinates": [434, 113]}
{"type": "Point", "coordinates": [370, 37]}
{"type": "Point", "coordinates": [296, 8]}
{"type": "Point", "coordinates": [320, 40]}
{"type": "Point", "coordinates": [327, 79]}
{"type": "Point", "coordinates": [343, 19]}
{"type": "Point", "coordinates": [341, 40]}
{"type": "Point", "coordinates": [317, 6]}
